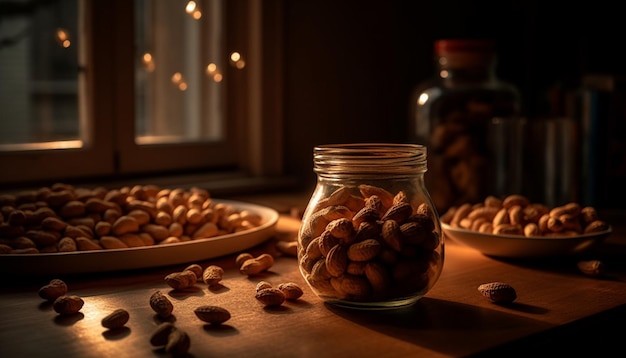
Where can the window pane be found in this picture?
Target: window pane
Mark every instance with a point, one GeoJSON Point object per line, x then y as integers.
{"type": "Point", "coordinates": [39, 71]}
{"type": "Point", "coordinates": [179, 66]}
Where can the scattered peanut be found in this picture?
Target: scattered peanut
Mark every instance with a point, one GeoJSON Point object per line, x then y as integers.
{"type": "Point", "coordinates": [178, 343]}
{"type": "Point", "coordinates": [53, 290]}
{"type": "Point", "coordinates": [243, 257]}
{"type": "Point", "coordinates": [195, 268]}
{"type": "Point", "coordinates": [116, 319]}
{"type": "Point", "coordinates": [498, 292]}
{"type": "Point", "coordinates": [161, 334]}
{"type": "Point", "coordinates": [181, 280]}
{"type": "Point", "coordinates": [289, 248]}
{"type": "Point", "coordinates": [212, 275]}
{"type": "Point", "coordinates": [262, 284]}
{"type": "Point", "coordinates": [257, 265]}
{"type": "Point", "coordinates": [212, 314]}
{"type": "Point", "coordinates": [161, 304]}
{"type": "Point", "coordinates": [592, 268]}
{"type": "Point", "coordinates": [291, 290]}
{"type": "Point", "coordinates": [270, 297]}
{"type": "Point", "coordinates": [67, 304]}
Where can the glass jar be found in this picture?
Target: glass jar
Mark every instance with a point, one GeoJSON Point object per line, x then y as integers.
{"type": "Point", "coordinates": [370, 236]}
{"type": "Point", "coordinates": [453, 113]}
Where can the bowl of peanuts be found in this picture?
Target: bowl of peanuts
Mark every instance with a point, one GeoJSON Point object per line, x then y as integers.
{"type": "Point", "coordinates": [61, 229]}
{"type": "Point", "coordinates": [516, 228]}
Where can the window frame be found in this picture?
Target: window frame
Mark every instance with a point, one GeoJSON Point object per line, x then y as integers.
{"type": "Point", "coordinates": [253, 148]}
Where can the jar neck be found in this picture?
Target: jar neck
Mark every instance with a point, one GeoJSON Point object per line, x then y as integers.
{"type": "Point", "coordinates": [466, 67]}
{"type": "Point", "coordinates": [465, 60]}
{"type": "Point", "coordinates": [368, 160]}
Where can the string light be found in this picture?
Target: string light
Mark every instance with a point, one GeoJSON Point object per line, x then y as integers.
{"type": "Point", "coordinates": [237, 61]}
{"type": "Point", "coordinates": [213, 72]}
{"type": "Point", "coordinates": [63, 37]}
{"type": "Point", "coordinates": [148, 62]}
{"type": "Point", "coordinates": [179, 81]}
{"type": "Point", "coordinates": [192, 9]}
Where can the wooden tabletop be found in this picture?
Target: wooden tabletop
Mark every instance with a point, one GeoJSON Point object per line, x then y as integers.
{"type": "Point", "coordinates": [558, 309]}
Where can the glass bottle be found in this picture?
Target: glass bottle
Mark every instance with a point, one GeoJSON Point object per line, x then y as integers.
{"type": "Point", "coordinates": [454, 113]}
{"type": "Point", "coordinates": [370, 236]}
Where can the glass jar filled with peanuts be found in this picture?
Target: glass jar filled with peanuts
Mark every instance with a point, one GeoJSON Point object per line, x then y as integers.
{"type": "Point", "coordinates": [370, 235]}
{"type": "Point", "coordinates": [452, 115]}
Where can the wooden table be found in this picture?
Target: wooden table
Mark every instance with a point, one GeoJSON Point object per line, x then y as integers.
{"type": "Point", "coordinates": [558, 310]}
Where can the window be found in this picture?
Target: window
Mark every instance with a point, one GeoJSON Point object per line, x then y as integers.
{"type": "Point", "coordinates": [114, 89]}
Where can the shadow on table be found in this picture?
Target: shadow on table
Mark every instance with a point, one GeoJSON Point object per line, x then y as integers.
{"type": "Point", "coordinates": [463, 330]}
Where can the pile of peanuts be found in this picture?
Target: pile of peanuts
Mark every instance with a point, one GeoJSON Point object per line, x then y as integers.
{"type": "Point", "coordinates": [516, 215]}
{"type": "Point", "coordinates": [369, 246]}
{"type": "Point", "coordinates": [64, 218]}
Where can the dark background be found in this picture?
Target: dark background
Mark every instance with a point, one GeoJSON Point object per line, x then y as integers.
{"type": "Point", "coordinates": [351, 65]}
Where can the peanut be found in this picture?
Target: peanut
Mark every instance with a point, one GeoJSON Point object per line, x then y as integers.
{"type": "Point", "coordinates": [498, 292]}
{"type": "Point", "coordinates": [289, 248]}
{"type": "Point", "coordinates": [262, 284]}
{"type": "Point", "coordinates": [398, 212]}
{"type": "Point", "coordinates": [365, 250]}
{"type": "Point", "coordinates": [241, 258]}
{"type": "Point", "coordinates": [161, 304]}
{"type": "Point", "coordinates": [196, 269]}
{"type": "Point", "coordinates": [592, 268]}
{"type": "Point", "coordinates": [112, 242]}
{"type": "Point", "coordinates": [178, 343]}
{"type": "Point", "coordinates": [67, 304]}
{"type": "Point", "coordinates": [53, 290]}
{"type": "Point", "coordinates": [291, 290]}
{"type": "Point", "coordinates": [116, 319]}
{"type": "Point", "coordinates": [181, 280]}
{"type": "Point", "coordinates": [212, 314]}
{"type": "Point", "coordinates": [270, 297]}
{"type": "Point", "coordinates": [212, 275]}
{"type": "Point", "coordinates": [161, 334]}
{"type": "Point", "coordinates": [125, 224]}
{"type": "Point", "coordinates": [385, 197]}
{"type": "Point", "coordinates": [257, 265]}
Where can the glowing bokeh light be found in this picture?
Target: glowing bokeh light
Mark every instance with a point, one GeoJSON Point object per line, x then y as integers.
{"type": "Point", "coordinates": [63, 37]}
{"type": "Point", "coordinates": [237, 61]}
{"type": "Point", "coordinates": [148, 62]}
{"type": "Point", "coordinates": [177, 78]}
{"type": "Point", "coordinates": [190, 7]}
{"type": "Point", "coordinates": [422, 98]}
{"type": "Point", "coordinates": [211, 68]}
{"type": "Point", "coordinates": [62, 34]}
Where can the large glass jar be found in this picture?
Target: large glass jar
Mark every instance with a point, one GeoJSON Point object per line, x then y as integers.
{"type": "Point", "coordinates": [370, 236]}
{"type": "Point", "coordinates": [454, 113]}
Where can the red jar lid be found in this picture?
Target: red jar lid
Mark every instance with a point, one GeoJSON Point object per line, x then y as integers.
{"type": "Point", "coordinates": [464, 45]}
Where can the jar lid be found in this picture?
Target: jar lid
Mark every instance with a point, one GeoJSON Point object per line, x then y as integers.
{"type": "Point", "coordinates": [464, 45]}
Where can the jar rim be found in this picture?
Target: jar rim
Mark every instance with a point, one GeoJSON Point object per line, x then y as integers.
{"type": "Point", "coordinates": [369, 159]}
{"type": "Point", "coordinates": [365, 147]}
